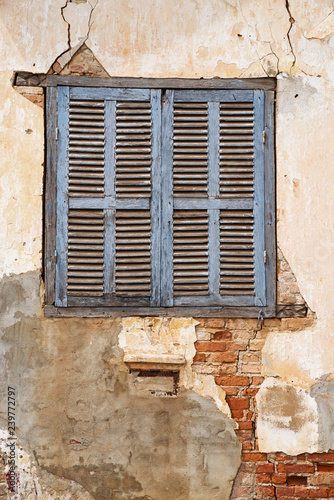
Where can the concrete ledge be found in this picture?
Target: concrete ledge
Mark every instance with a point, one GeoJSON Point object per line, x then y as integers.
{"type": "Point", "coordinates": [154, 361]}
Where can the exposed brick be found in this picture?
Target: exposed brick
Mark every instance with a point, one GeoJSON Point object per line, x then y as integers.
{"type": "Point", "coordinates": [203, 334]}
{"type": "Point", "coordinates": [296, 468]}
{"type": "Point", "coordinates": [257, 380]}
{"type": "Point", "coordinates": [250, 415]}
{"type": "Point", "coordinates": [250, 391]}
{"type": "Point", "coordinates": [251, 358]}
{"type": "Point", "coordinates": [244, 435]}
{"type": "Point", "coordinates": [263, 478]}
{"type": "Point", "coordinates": [248, 467]}
{"type": "Point", "coordinates": [244, 480]}
{"type": "Point", "coordinates": [325, 467]}
{"type": "Point", "coordinates": [222, 335]}
{"type": "Point", "coordinates": [212, 322]}
{"type": "Point", "coordinates": [284, 457]}
{"type": "Point", "coordinates": [297, 480]}
{"type": "Point", "coordinates": [296, 323]}
{"type": "Point", "coordinates": [285, 491]}
{"type": "Point", "coordinates": [318, 493]}
{"type": "Point", "coordinates": [279, 478]}
{"type": "Point", "coordinates": [266, 490]}
{"type": "Point", "coordinates": [222, 357]}
{"type": "Point", "coordinates": [207, 369]}
{"type": "Point", "coordinates": [265, 468]}
{"type": "Point", "coordinates": [301, 491]}
{"type": "Point", "coordinates": [240, 491]}
{"type": "Point", "coordinates": [245, 425]}
{"type": "Point", "coordinates": [241, 324]}
{"type": "Point", "coordinates": [231, 391]}
{"type": "Point", "coordinates": [272, 322]}
{"type": "Point", "coordinates": [227, 369]}
{"type": "Point", "coordinates": [246, 446]}
{"type": "Point", "coordinates": [238, 403]}
{"type": "Point", "coordinates": [251, 369]}
{"type": "Point", "coordinates": [199, 357]}
{"type": "Point", "coordinates": [210, 346]}
{"type": "Point", "coordinates": [321, 457]}
{"type": "Point", "coordinates": [236, 381]}
{"type": "Point", "coordinates": [237, 414]}
{"type": "Point", "coordinates": [322, 479]}
{"type": "Point", "coordinates": [254, 457]}
{"type": "Point", "coordinates": [256, 345]}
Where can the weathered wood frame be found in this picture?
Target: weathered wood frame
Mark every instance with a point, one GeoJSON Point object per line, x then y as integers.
{"type": "Point", "coordinates": [267, 85]}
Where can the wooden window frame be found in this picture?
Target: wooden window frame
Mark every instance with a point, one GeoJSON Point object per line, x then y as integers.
{"type": "Point", "coordinates": [51, 82]}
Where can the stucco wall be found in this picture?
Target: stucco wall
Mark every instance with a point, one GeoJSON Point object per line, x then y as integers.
{"type": "Point", "coordinates": [189, 38]}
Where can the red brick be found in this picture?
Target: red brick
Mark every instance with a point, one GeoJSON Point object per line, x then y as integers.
{"type": "Point", "coordinates": [247, 446]}
{"type": "Point", "coordinates": [248, 467]}
{"type": "Point", "coordinates": [285, 491]}
{"type": "Point", "coordinates": [321, 457]}
{"type": "Point", "coordinates": [254, 457]}
{"type": "Point", "coordinates": [325, 467]}
{"type": "Point", "coordinates": [238, 381]}
{"type": "Point", "coordinates": [244, 435]}
{"type": "Point", "coordinates": [222, 357]}
{"type": "Point", "coordinates": [331, 493]}
{"type": "Point", "coordinates": [238, 403]}
{"type": "Point", "coordinates": [223, 335]}
{"type": "Point", "coordinates": [322, 479]}
{"type": "Point", "coordinates": [295, 468]}
{"type": "Point", "coordinates": [245, 425]}
{"type": "Point", "coordinates": [210, 346]}
{"type": "Point", "coordinates": [231, 391]}
{"type": "Point", "coordinates": [279, 478]}
{"type": "Point", "coordinates": [250, 391]}
{"type": "Point", "coordinates": [237, 414]}
{"type": "Point", "coordinates": [265, 468]}
{"type": "Point", "coordinates": [199, 357]}
{"type": "Point", "coordinates": [297, 480]}
{"type": "Point", "coordinates": [266, 490]}
{"type": "Point", "coordinates": [257, 380]}
{"type": "Point", "coordinates": [263, 478]}
{"type": "Point", "coordinates": [249, 415]}
{"type": "Point", "coordinates": [301, 491]}
{"type": "Point", "coordinates": [236, 346]}
{"type": "Point", "coordinates": [318, 493]}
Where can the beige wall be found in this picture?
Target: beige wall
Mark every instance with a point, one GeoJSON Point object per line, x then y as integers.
{"type": "Point", "coordinates": [197, 38]}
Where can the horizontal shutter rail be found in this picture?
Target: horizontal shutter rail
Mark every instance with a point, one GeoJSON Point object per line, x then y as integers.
{"type": "Point", "coordinates": [86, 160]}
{"type": "Point", "coordinates": [103, 93]}
{"type": "Point", "coordinates": [213, 95]}
{"type": "Point", "coordinates": [110, 202]}
{"type": "Point", "coordinates": [205, 204]}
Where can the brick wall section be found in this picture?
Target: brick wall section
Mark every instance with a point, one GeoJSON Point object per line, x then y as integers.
{"type": "Point", "coordinates": [231, 351]}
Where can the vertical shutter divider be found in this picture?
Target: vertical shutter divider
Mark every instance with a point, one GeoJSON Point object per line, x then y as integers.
{"type": "Point", "coordinates": [167, 201]}
{"type": "Point", "coordinates": [62, 197]}
{"type": "Point", "coordinates": [259, 247]}
{"type": "Point", "coordinates": [213, 192]}
{"type": "Point", "coordinates": [109, 190]}
{"type": "Point", "coordinates": [156, 198]}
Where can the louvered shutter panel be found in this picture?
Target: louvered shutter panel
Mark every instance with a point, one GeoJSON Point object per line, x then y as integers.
{"type": "Point", "coordinates": [108, 197]}
{"type": "Point", "coordinates": [213, 205]}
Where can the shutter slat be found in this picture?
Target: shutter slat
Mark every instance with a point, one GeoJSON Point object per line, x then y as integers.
{"type": "Point", "coordinates": [237, 246]}
{"type": "Point", "coordinates": [85, 252]}
{"type": "Point", "coordinates": [133, 149]}
{"type": "Point", "coordinates": [190, 240]}
{"type": "Point", "coordinates": [133, 241]}
{"type": "Point", "coordinates": [86, 124]}
{"type": "Point", "coordinates": [190, 151]}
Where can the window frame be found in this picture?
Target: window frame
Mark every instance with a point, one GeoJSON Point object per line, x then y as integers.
{"type": "Point", "coordinates": [50, 199]}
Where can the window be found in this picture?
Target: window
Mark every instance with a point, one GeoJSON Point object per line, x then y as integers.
{"type": "Point", "coordinates": [160, 200]}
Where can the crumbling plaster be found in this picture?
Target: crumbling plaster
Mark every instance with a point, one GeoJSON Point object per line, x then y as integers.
{"type": "Point", "coordinates": [292, 40]}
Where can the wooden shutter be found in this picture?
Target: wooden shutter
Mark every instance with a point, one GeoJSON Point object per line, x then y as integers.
{"type": "Point", "coordinates": [108, 197]}
{"type": "Point", "coordinates": [213, 205]}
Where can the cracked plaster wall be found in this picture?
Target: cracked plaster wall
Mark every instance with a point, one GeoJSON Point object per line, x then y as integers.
{"type": "Point", "coordinates": [196, 38]}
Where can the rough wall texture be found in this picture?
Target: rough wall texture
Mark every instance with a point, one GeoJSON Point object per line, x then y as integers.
{"type": "Point", "coordinates": [96, 424]}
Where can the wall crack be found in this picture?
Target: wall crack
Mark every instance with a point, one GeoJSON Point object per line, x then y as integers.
{"type": "Point", "coordinates": [291, 21]}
